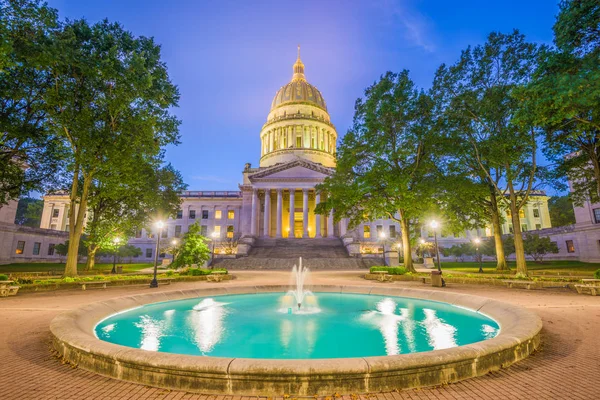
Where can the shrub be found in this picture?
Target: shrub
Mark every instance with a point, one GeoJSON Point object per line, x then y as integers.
{"type": "Point", "coordinates": [597, 274]}
{"type": "Point", "coordinates": [5, 277]}
{"type": "Point", "coordinates": [390, 270]}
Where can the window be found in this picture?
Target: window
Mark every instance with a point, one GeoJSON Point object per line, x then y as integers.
{"type": "Point", "coordinates": [392, 231]}
{"type": "Point", "coordinates": [230, 231]}
{"type": "Point", "coordinates": [538, 227]}
{"type": "Point", "coordinates": [55, 213]}
{"type": "Point", "coordinates": [570, 246]}
{"type": "Point", "coordinates": [179, 214]}
{"type": "Point", "coordinates": [521, 213]}
{"type": "Point", "coordinates": [20, 247]}
{"type": "Point", "coordinates": [204, 214]}
{"type": "Point", "coordinates": [536, 213]}
{"type": "Point", "coordinates": [51, 249]}
{"type": "Point", "coordinates": [192, 214]}
{"type": "Point", "coordinates": [36, 248]}
{"type": "Point", "coordinates": [138, 234]}
{"type": "Point", "coordinates": [148, 253]}
{"type": "Point", "coordinates": [218, 214]}
{"type": "Point", "coordinates": [165, 232]}
{"type": "Point", "coordinates": [523, 228]}
{"type": "Point", "coordinates": [597, 215]}
{"type": "Point", "coordinates": [218, 230]}
{"type": "Point", "coordinates": [53, 227]}
{"type": "Point", "coordinates": [367, 232]}
{"type": "Point", "coordinates": [230, 214]}
{"type": "Point", "coordinates": [379, 230]}
{"type": "Point", "coordinates": [203, 230]}
{"type": "Point", "coordinates": [177, 231]}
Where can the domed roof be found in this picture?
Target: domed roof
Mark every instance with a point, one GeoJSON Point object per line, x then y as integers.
{"type": "Point", "coordinates": [298, 90]}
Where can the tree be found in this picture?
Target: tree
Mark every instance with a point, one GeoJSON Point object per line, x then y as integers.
{"type": "Point", "coordinates": [561, 211]}
{"type": "Point", "coordinates": [130, 251]}
{"type": "Point", "coordinates": [62, 249]}
{"type": "Point", "coordinates": [385, 163]}
{"type": "Point", "coordinates": [110, 99]}
{"type": "Point", "coordinates": [537, 247]}
{"type": "Point", "coordinates": [480, 95]}
{"type": "Point", "coordinates": [30, 152]}
{"type": "Point", "coordinates": [193, 249]}
{"type": "Point", "coordinates": [29, 212]}
{"type": "Point", "coordinates": [509, 245]}
{"type": "Point", "coordinates": [563, 98]}
{"type": "Point", "coordinates": [459, 251]}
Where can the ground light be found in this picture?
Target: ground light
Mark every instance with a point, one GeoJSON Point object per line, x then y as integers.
{"type": "Point", "coordinates": [159, 225]}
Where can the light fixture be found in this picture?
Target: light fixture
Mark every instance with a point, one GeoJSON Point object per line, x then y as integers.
{"type": "Point", "coordinates": [174, 242]}
{"type": "Point", "coordinates": [215, 234]}
{"type": "Point", "coordinates": [422, 241]}
{"type": "Point", "coordinates": [477, 241]}
{"type": "Point", "coordinates": [381, 235]}
{"type": "Point", "coordinates": [117, 240]}
{"type": "Point", "coordinates": [159, 224]}
{"type": "Point", "coordinates": [434, 224]}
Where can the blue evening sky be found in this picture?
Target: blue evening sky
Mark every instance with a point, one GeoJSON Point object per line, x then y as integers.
{"type": "Point", "coordinates": [230, 57]}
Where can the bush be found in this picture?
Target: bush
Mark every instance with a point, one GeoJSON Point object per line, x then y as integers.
{"type": "Point", "coordinates": [597, 274]}
{"type": "Point", "coordinates": [390, 270]}
{"type": "Point", "coordinates": [5, 277]}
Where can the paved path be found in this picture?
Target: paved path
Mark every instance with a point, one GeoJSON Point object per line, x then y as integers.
{"type": "Point", "coordinates": [567, 367]}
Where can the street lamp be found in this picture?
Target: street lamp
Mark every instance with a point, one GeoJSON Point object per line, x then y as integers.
{"type": "Point", "coordinates": [214, 236]}
{"type": "Point", "coordinates": [381, 236]}
{"type": "Point", "coordinates": [116, 242]}
{"type": "Point", "coordinates": [159, 225]}
{"type": "Point", "coordinates": [435, 225]}
{"type": "Point", "coordinates": [477, 242]}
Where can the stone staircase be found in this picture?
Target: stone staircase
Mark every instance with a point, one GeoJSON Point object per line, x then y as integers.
{"type": "Point", "coordinates": [317, 254]}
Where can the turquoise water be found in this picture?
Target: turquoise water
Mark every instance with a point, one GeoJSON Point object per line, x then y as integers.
{"type": "Point", "coordinates": [329, 325]}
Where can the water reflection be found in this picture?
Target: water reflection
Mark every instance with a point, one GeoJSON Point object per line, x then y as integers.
{"type": "Point", "coordinates": [152, 331]}
{"type": "Point", "coordinates": [206, 321]}
{"type": "Point", "coordinates": [440, 334]}
{"type": "Point", "coordinates": [488, 331]}
{"type": "Point", "coordinates": [387, 322]}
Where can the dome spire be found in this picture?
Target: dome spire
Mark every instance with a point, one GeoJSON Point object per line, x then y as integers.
{"type": "Point", "coordinates": [298, 69]}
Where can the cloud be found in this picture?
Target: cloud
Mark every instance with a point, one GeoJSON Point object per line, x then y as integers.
{"type": "Point", "coordinates": [415, 26]}
{"type": "Point", "coordinates": [211, 178]}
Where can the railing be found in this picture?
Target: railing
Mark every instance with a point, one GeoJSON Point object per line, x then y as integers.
{"type": "Point", "coordinates": [194, 193]}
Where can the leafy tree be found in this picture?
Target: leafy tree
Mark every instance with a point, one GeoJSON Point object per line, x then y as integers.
{"type": "Point", "coordinates": [459, 251]}
{"type": "Point", "coordinates": [561, 211]}
{"type": "Point", "coordinates": [385, 162]}
{"type": "Point", "coordinates": [563, 98]}
{"type": "Point", "coordinates": [537, 247]}
{"type": "Point", "coordinates": [29, 212]}
{"type": "Point", "coordinates": [509, 245]}
{"type": "Point", "coordinates": [479, 93]}
{"type": "Point", "coordinates": [62, 249]}
{"type": "Point", "coordinates": [29, 151]}
{"type": "Point", "coordinates": [130, 251]}
{"type": "Point", "coordinates": [193, 248]}
{"type": "Point", "coordinates": [110, 99]}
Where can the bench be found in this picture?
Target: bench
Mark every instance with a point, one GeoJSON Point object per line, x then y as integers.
{"type": "Point", "coordinates": [426, 279]}
{"type": "Point", "coordinates": [216, 276]}
{"type": "Point", "coordinates": [382, 276]}
{"type": "Point", "coordinates": [522, 284]}
{"type": "Point", "coordinates": [8, 289]}
{"type": "Point", "coordinates": [593, 290]}
{"type": "Point", "coordinates": [84, 285]}
{"type": "Point", "coordinates": [592, 282]}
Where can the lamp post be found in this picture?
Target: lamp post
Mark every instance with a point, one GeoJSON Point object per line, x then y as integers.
{"type": "Point", "coordinates": [160, 225]}
{"type": "Point", "coordinates": [382, 239]}
{"type": "Point", "coordinates": [477, 242]}
{"type": "Point", "coordinates": [214, 236]}
{"type": "Point", "coordinates": [174, 243]}
{"type": "Point", "coordinates": [434, 225]}
{"type": "Point", "coordinates": [116, 242]}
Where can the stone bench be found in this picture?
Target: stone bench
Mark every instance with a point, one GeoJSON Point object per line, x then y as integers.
{"type": "Point", "coordinates": [165, 281]}
{"type": "Point", "coordinates": [426, 279]}
{"type": "Point", "coordinates": [382, 276]}
{"type": "Point", "coordinates": [216, 276]}
{"type": "Point", "coordinates": [522, 284]}
{"type": "Point", "coordinates": [592, 282]}
{"type": "Point", "coordinates": [84, 285]}
{"type": "Point", "coordinates": [593, 290]}
{"type": "Point", "coordinates": [9, 291]}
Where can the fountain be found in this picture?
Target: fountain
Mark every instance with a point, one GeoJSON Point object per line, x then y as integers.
{"type": "Point", "coordinates": [299, 294]}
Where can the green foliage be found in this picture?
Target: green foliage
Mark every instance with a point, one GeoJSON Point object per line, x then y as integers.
{"type": "Point", "coordinates": [203, 271]}
{"type": "Point", "coordinates": [62, 249]}
{"type": "Point", "coordinates": [459, 251]}
{"type": "Point", "coordinates": [508, 244]}
{"type": "Point", "coordinates": [537, 247]}
{"type": "Point", "coordinates": [29, 212]}
{"type": "Point", "coordinates": [597, 274]}
{"type": "Point", "coordinates": [193, 249]}
{"type": "Point", "coordinates": [561, 211]}
{"type": "Point", "coordinates": [3, 277]}
{"type": "Point", "coordinates": [390, 270]}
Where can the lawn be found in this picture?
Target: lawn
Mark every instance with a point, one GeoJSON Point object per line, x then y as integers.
{"type": "Point", "coordinates": [562, 267]}
{"type": "Point", "coordinates": [45, 267]}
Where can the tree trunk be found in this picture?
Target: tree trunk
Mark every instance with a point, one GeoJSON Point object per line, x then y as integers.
{"type": "Point", "coordinates": [76, 229]}
{"type": "Point", "coordinates": [501, 264]}
{"type": "Point", "coordinates": [404, 226]}
{"type": "Point", "coordinates": [518, 237]}
{"type": "Point", "coordinates": [91, 260]}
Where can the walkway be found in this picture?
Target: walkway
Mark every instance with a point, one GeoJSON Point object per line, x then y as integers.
{"type": "Point", "coordinates": [567, 367]}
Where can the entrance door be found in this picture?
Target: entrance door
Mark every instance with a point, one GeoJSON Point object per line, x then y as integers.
{"type": "Point", "coordinates": [298, 226]}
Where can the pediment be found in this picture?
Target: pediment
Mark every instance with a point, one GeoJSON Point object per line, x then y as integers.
{"type": "Point", "coordinates": [297, 170]}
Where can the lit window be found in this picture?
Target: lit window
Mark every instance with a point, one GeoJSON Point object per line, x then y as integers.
{"type": "Point", "coordinates": [177, 230]}
{"type": "Point", "coordinates": [230, 231]}
{"type": "Point", "coordinates": [55, 213]}
{"type": "Point", "coordinates": [192, 214]}
{"type": "Point", "coordinates": [366, 232]}
{"type": "Point", "coordinates": [36, 248]}
{"type": "Point", "coordinates": [148, 253]}
{"type": "Point", "coordinates": [231, 214]}
{"type": "Point", "coordinates": [523, 228]}
{"type": "Point", "coordinates": [20, 247]}
{"type": "Point", "coordinates": [51, 249]}
{"type": "Point", "coordinates": [521, 213]}
{"type": "Point", "coordinates": [570, 246]}
{"type": "Point", "coordinates": [218, 230]}
{"type": "Point", "coordinates": [536, 213]}
{"type": "Point", "coordinates": [597, 215]}
{"type": "Point", "coordinates": [218, 214]}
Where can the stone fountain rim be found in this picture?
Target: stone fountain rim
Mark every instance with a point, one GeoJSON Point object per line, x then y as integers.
{"type": "Point", "coordinates": [74, 338]}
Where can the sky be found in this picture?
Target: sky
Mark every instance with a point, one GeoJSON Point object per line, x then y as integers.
{"type": "Point", "coordinates": [228, 58]}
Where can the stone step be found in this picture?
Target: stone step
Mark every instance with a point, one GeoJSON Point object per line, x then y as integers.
{"type": "Point", "coordinates": [294, 248]}
{"type": "Point", "coordinates": [335, 263]}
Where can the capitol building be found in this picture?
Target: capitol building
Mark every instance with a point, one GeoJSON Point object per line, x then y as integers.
{"type": "Point", "coordinates": [274, 206]}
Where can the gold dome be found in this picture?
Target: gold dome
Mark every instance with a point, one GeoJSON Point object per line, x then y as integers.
{"type": "Point", "coordinates": [298, 90]}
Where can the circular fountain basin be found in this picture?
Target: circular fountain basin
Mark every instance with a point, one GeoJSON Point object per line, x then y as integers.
{"type": "Point", "coordinates": [253, 340]}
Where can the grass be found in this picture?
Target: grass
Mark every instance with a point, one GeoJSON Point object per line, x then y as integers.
{"type": "Point", "coordinates": [563, 267]}
{"type": "Point", "coordinates": [45, 267]}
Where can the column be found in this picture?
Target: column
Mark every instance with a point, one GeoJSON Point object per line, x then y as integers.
{"type": "Point", "coordinates": [292, 201]}
{"type": "Point", "coordinates": [254, 207]}
{"type": "Point", "coordinates": [267, 216]}
{"type": "Point", "coordinates": [317, 216]}
{"type": "Point", "coordinates": [330, 224]}
{"type": "Point", "coordinates": [279, 212]}
{"type": "Point", "coordinates": [304, 213]}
